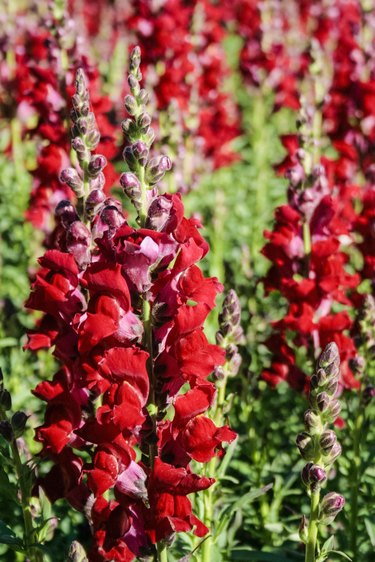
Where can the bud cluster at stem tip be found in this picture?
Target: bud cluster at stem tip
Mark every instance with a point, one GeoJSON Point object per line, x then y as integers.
{"type": "Point", "coordinates": [144, 172]}
{"type": "Point", "coordinates": [318, 444]}
{"type": "Point", "coordinates": [230, 335]}
{"type": "Point", "coordinates": [88, 181]}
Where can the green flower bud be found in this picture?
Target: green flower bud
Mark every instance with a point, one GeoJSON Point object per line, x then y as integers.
{"type": "Point", "coordinates": [303, 530]}
{"type": "Point", "coordinates": [77, 553]}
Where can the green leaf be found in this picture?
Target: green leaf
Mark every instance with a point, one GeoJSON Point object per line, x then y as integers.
{"type": "Point", "coordinates": [342, 554]}
{"type": "Point", "coordinates": [327, 546]}
{"type": "Point", "coordinates": [257, 556]}
{"type": "Point", "coordinates": [7, 536]}
{"type": "Point", "coordinates": [370, 528]}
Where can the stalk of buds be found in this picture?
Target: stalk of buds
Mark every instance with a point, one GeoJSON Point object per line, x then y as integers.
{"type": "Point", "coordinates": [85, 139]}
{"type": "Point", "coordinates": [228, 337]}
{"type": "Point", "coordinates": [318, 445]}
{"type": "Point", "coordinates": [143, 172]}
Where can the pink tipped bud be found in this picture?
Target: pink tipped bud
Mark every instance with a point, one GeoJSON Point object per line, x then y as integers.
{"type": "Point", "coordinates": [94, 201]}
{"type": "Point", "coordinates": [66, 213]}
{"type": "Point", "coordinates": [330, 507]}
{"type": "Point", "coordinates": [96, 165]}
{"type": "Point", "coordinates": [71, 178]}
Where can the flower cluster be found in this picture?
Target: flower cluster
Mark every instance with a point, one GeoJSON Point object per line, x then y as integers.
{"type": "Point", "coordinates": [41, 83]}
{"type": "Point", "coordinates": [124, 308]}
{"type": "Point", "coordinates": [308, 269]}
{"type": "Point", "coordinates": [319, 446]}
{"type": "Point", "coordinates": [183, 60]}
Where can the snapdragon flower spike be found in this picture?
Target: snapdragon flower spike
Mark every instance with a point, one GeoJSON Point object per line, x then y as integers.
{"type": "Point", "coordinates": [41, 88]}
{"type": "Point", "coordinates": [184, 42]}
{"type": "Point", "coordinates": [308, 268]}
{"type": "Point", "coordinates": [230, 335]}
{"type": "Point", "coordinates": [89, 180]}
{"type": "Point", "coordinates": [118, 314]}
{"type": "Point", "coordinates": [319, 446]}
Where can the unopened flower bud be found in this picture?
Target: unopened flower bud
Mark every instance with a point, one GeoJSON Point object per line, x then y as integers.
{"type": "Point", "coordinates": [130, 184]}
{"type": "Point", "coordinates": [156, 169]}
{"type": "Point", "coordinates": [5, 400]}
{"type": "Point", "coordinates": [140, 152]}
{"type": "Point", "coordinates": [80, 82]}
{"type": "Point", "coordinates": [303, 530]}
{"type": "Point", "coordinates": [143, 97]}
{"type": "Point", "coordinates": [129, 158]}
{"type": "Point", "coordinates": [144, 121]}
{"type": "Point", "coordinates": [66, 212]}
{"type": "Point", "coordinates": [313, 474]}
{"type": "Point", "coordinates": [79, 146]}
{"type": "Point", "coordinates": [330, 507]}
{"type": "Point", "coordinates": [312, 422]}
{"type": "Point", "coordinates": [329, 356]}
{"type": "Point", "coordinates": [131, 105]}
{"type": "Point", "coordinates": [323, 401]}
{"type": "Point", "coordinates": [327, 440]}
{"type": "Point", "coordinates": [70, 176]}
{"type": "Point", "coordinates": [92, 139]}
{"type": "Point", "coordinates": [6, 431]}
{"type": "Point", "coordinates": [133, 85]}
{"type": "Point", "coordinates": [96, 164]}
{"type": "Point", "coordinates": [357, 364]}
{"type": "Point", "coordinates": [82, 125]}
{"type": "Point", "coordinates": [111, 216]}
{"type": "Point", "coordinates": [321, 377]}
{"type": "Point", "coordinates": [334, 409]}
{"type": "Point", "coordinates": [77, 553]}
{"type": "Point", "coordinates": [127, 125]}
{"type": "Point", "coordinates": [368, 394]}
{"type": "Point", "coordinates": [18, 423]}
{"type": "Point", "coordinates": [334, 453]}
{"type": "Point", "coordinates": [305, 446]}
{"type": "Point", "coordinates": [93, 202]}
{"type": "Point", "coordinates": [234, 363]}
{"type": "Point", "coordinates": [295, 175]}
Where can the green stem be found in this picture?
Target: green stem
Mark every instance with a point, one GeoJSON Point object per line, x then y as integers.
{"type": "Point", "coordinates": [162, 555]}
{"type": "Point", "coordinates": [17, 152]}
{"type": "Point", "coordinates": [306, 239]}
{"type": "Point", "coordinates": [355, 481]}
{"type": "Point", "coordinates": [313, 527]}
{"type": "Point", "coordinates": [34, 555]}
{"type": "Point", "coordinates": [211, 468]}
{"type": "Point", "coordinates": [147, 322]}
{"type": "Point", "coordinates": [142, 214]}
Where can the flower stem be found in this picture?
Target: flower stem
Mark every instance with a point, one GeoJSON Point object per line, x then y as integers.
{"type": "Point", "coordinates": [162, 553]}
{"type": "Point", "coordinates": [33, 554]}
{"type": "Point", "coordinates": [355, 482]}
{"type": "Point", "coordinates": [313, 527]}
